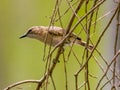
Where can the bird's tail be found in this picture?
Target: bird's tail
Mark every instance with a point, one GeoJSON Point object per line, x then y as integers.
{"type": "Point", "coordinates": [82, 43]}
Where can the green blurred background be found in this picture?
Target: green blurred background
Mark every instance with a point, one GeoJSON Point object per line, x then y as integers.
{"type": "Point", "coordinates": [21, 59]}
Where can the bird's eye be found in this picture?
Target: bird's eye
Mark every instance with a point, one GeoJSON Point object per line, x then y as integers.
{"type": "Point", "coordinates": [29, 31]}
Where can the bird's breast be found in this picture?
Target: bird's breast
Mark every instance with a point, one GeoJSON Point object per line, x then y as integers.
{"type": "Point", "coordinates": [49, 39]}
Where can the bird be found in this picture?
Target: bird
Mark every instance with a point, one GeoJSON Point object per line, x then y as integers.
{"type": "Point", "coordinates": [52, 35]}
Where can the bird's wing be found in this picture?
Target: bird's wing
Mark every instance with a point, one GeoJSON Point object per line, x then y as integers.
{"type": "Point", "coordinates": [75, 36]}
{"type": "Point", "coordinates": [56, 31]}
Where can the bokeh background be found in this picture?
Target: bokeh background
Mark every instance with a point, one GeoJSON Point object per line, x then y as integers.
{"type": "Point", "coordinates": [21, 59]}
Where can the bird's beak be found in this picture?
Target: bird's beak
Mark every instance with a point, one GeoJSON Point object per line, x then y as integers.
{"type": "Point", "coordinates": [23, 36]}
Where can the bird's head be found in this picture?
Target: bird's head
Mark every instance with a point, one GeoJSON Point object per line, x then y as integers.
{"type": "Point", "coordinates": [31, 32]}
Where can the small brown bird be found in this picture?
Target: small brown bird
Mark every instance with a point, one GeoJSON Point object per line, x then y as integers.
{"type": "Point", "coordinates": [53, 35]}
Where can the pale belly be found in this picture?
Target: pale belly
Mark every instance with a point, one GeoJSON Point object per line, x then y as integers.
{"type": "Point", "coordinates": [50, 40]}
